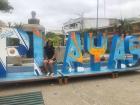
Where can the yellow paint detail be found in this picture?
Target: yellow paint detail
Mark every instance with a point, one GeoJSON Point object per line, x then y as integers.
{"type": "Point", "coordinates": [97, 52]}
{"type": "Point", "coordinates": [80, 59]}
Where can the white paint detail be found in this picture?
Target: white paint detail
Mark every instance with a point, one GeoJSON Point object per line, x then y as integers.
{"type": "Point", "coordinates": [9, 49]}
{"type": "Point", "coordinates": [3, 53]}
{"type": "Point", "coordinates": [123, 66]}
{"type": "Point", "coordinates": [37, 68]}
{"type": "Point", "coordinates": [80, 69]}
{"type": "Point", "coordinates": [21, 40]}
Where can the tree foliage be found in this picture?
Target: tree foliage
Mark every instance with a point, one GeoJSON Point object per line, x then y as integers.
{"type": "Point", "coordinates": [57, 39]}
{"type": "Point", "coordinates": [123, 27]}
{"type": "Point", "coordinates": [18, 26]}
{"type": "Point", "coordinates": [5, 6]}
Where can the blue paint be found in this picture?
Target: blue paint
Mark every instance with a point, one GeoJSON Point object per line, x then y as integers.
{"type": "Point", "coordinates": [86, 44]}
{"type": "Point", "coordinates": [118, 51]}
{"type": "Point", "coordinates": [117, 54]}
{"type": "Point", "coordinates": [71, 49]}
{"type": "Point", "coordinates": [132, 46]}
{"type": "Point", "coordinates": [2, 70]}
{"type": "Point", "coordinates": [101, 42]}
{"type": "Point", "coordinates": [65, 64]}
{"type": "Point", "coordinates": [38, 50]}
{"type": "Point", "coordinates": [93, 65]}
{"type": "Point", "coordinates": [25, 38]}
{"type": "Point", "coordinates": [22, 50]}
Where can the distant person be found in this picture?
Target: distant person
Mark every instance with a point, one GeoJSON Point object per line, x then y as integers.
{"type": "Point", "coordinates": [50, 58]}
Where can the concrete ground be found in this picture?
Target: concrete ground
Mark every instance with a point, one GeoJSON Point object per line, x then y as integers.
{"type": "Point", "coordinates": [100, 90]}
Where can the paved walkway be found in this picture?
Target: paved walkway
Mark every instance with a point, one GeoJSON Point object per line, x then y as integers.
{"type": "Point", "coordinates": [101, 90]}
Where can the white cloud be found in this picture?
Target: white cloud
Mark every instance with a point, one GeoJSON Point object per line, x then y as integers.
{"type": "Point", "coordinates": [53, 13]}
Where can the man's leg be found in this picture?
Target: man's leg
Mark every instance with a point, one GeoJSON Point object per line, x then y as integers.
{"type": "Point", "coordinates": [51, 64]}
{"type": "Point", "coordinates": [46, 65]}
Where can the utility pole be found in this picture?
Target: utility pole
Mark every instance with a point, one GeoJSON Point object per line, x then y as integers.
{"type": "Point", "coordinates": [104, 8]}
{"type": "Point", "coordinates": [82, 26]}
{"type": "Point", "coordinates": [81, 16]}
{"type": "Point", "coordinates": [97, 15]}
{"type": "Point", "coordinates": [82, 22]}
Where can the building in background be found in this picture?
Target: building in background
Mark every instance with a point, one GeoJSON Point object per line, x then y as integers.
{"type": "Point", "coordinates": [135, 23]}
{"type": "Point", "coordinates": [87, 23]}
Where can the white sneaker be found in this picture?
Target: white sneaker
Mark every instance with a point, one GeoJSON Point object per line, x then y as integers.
{"type": "Point", "coordinates": [52, 74]}
{"type": "Point", "coordinates": [48, 74]}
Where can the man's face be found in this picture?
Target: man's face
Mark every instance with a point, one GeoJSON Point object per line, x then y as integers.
{"type": "Point", "coordinates": [49, 43]}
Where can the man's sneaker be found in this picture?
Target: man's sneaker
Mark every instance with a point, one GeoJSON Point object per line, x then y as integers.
{"type": "Point", "coordinates": [48, 74]}
{"type": "Point", "coordinates": [52, 74]}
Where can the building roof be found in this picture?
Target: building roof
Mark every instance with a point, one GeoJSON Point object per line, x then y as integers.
{"type": "Point", "coordinates": [133, 20]}
{"type": "Point", "coordinates": [71, 21]}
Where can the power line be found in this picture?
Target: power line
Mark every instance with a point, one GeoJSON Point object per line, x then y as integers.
{"type": "Point", "coordinates": [104, 8]}
{"type": "Point", "coordinates": [97, 15]}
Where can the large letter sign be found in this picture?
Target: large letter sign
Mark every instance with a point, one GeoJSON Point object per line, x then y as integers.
{"type": "Point", "coordinates": [96, 52]}
{"type": "Point", "coordinates": [19, 50]}
{"type": "Point", "coordinates": [38, 52]}
{"type": "Point", "coordinates": [73, 52]}
{"type": "Point", "coordinates": [132, 47]}
{"type": "Point", "coordinates": [117, 53]}
{"type": "Point", "coordinates": [124, 53]}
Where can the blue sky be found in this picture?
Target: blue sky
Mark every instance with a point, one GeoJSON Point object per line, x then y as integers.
{"type": "Point", "coordinates": [53, 13]}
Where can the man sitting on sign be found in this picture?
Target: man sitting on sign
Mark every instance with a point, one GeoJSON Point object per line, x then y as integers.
{"type": "Point", "coordinates": [50, 58]}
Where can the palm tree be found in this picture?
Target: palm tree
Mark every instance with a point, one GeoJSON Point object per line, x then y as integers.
{"type": "Point", "coordinates": [5, 6]}
{"type": "Point", "coordinates": [18, 26]}
{"type": "Point", "coordinates": [124, 27]}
